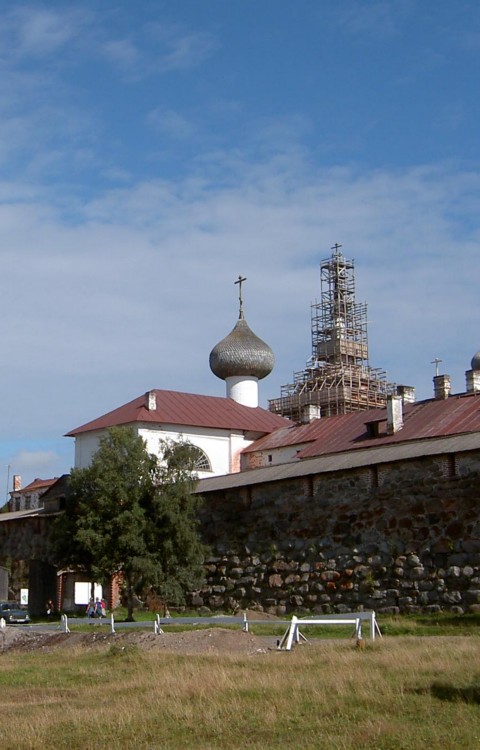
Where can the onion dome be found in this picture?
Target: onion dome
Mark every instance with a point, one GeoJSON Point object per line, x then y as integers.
{"type": "Point", "coordinates": [241, 354]}
{"type": "Point", "coordinates": [476, 362]}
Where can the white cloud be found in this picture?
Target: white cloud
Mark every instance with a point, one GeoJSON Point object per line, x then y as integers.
{"type": "Point", "coordinates": [122, 52]}
{"type": "Point", "coordinates": [170, 123]}
{"type": "Point", "coordinates": [158, 48]}
{"type": "Point", "coordinates": [44, 31]}
{"type": "Point", "coordinates": [32, 31]}
{"type": "Point", "coordinates": [377, 17]}
{"type": "Point", "coordinates": [186, 50]}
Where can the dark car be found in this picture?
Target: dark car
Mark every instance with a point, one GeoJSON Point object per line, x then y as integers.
{"type": "Point", "coordinates": [13, 614]}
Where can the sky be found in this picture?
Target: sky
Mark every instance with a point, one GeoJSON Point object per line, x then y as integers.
{"type": "Point", "coordinates": [152, 152]}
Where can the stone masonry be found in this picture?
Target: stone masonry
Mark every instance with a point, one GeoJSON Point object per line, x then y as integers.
{"type": "Point", "coordinates": [399, 537]}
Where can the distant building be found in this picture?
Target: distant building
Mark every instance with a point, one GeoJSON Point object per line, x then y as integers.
{"type": "Point", "coordinates": [219, 428]}
{"type": "Point", "coordinates": [28, 498]}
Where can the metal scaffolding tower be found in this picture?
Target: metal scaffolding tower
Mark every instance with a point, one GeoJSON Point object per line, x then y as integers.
{"type": "Point", "coordinates": [337, 378]}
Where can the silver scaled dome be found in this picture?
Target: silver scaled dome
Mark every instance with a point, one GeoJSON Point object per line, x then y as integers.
{"type": "Point", "coordinates": [476, 362]}
{"type": "Point", "coordinates": [241, 353]}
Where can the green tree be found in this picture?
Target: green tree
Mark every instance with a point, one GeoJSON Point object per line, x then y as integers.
{"type": "Point", "coordinates": [132, 514]}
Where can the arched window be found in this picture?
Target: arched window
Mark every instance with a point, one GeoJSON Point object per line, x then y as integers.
{"type": "Point", "coordinates": [184, 455]}
{"type": "Point", "coordinates": [202, 462]}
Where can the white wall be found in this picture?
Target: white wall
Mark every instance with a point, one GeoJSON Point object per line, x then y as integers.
{"type": "Point", "coordinates": [26, 500]}
{"type": "Point", "coordinates": [86, 445]}
{"type": "Point", "coordinates": [283, 455]}
{"type": "Point", "coordinates": [214, 443]}
{"type": "Point", "coordinates": [221, 447]}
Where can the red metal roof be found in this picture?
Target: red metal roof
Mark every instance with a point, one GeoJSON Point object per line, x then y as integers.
{"type": "Point", "coordinates": [292, 434]}
{"type": "Point", "coordinates": [345, 432]}
{"type": "Point", "coordinates": [37, 484]}
{"type": "Point", "coordinates": [174, 408]}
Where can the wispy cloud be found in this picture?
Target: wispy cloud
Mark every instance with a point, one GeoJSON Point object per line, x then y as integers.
{"type": "Point", "coordinates": [378, 17]}
{"type": "Point", "coordinates": [31, 32]}
{"type": "Point", "coordinates": [159, 49]}
{"type": "Point", "coordinates": [170, 123]}
{"type": "Point", "coordinates": [184, 50]}
{"type": "Point", "coordinates": [122, 53]}
{"type": "Point", "coordinates": [42, 31]}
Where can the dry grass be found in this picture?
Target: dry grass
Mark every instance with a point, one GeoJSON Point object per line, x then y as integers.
{"type": "Point", "coordinates": [327, 695]}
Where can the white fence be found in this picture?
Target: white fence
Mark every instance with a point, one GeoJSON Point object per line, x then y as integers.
{"type": "Point", "coordinates": [292, 635]}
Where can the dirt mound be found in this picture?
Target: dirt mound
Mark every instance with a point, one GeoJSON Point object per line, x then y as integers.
{"type": "Point", "coordinates": [208, 641]}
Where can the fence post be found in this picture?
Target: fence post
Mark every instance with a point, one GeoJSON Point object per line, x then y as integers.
{"type": "Point", "coordinates": [65, 627]}
{"type": "Point", "coordinates": [157, 628]}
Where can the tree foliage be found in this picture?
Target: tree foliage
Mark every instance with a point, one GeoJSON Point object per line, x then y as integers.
{"type": "Point", "coordinates": [132, 514]}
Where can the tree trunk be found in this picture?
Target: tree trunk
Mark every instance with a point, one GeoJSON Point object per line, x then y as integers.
{"type": "Point", "coordinates": [130, 617]}
{"type": "Point", "coordinates": [130, 603]}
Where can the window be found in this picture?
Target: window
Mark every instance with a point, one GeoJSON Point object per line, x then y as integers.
{"type": "Point", "coordinates": [184, 455]}
{"type": "Point", "coordinates": [202, 462]}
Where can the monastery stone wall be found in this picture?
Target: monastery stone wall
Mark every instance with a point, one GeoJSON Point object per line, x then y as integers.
{"type": "Point", "coordinates": [399, 537]}
{"type": "Point", "coordinates": [25, 539]}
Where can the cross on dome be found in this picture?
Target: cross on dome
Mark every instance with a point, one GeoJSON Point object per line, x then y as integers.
{"type": "Point", "coordinates": [240, 281]}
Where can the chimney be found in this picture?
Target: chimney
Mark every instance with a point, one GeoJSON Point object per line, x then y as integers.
{"type": "Point", "coordinates": [151, 401]}
{"type": "Point", "coordinates": [17, 482]}
{"type": "Point", "coordinates": [309, 413]}
{"type": "Point", "coordinates": [442, 385]}
{"type": "Point", "coordinates": [473, 381]}
{"type": "Point", "coordinates": [407, 392]}
{"type": "Point", "coordinates": [394, 414]}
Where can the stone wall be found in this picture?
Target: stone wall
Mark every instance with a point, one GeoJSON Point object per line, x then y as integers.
{"type": "Point", "coordinates": [399, 537]}
{"type": "Point", "coordinates": [25, 538]}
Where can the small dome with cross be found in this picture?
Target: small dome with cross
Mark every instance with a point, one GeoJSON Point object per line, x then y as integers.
{"type": "Point", "coordinates": [241, 353]}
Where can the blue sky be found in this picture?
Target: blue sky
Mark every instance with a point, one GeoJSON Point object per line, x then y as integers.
{"type": "Point", "coordinates": [152, 152]}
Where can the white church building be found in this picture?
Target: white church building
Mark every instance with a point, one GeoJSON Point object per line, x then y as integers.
{"type": "Point", "coordinates": [220, 428]}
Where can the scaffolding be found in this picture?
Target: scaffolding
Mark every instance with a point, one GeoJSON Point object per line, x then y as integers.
{"type": "Point", "coordinates": [337, 378]}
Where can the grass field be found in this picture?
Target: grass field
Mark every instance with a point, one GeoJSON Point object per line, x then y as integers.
{"type": "Point", "coordinates": [402, 693]}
